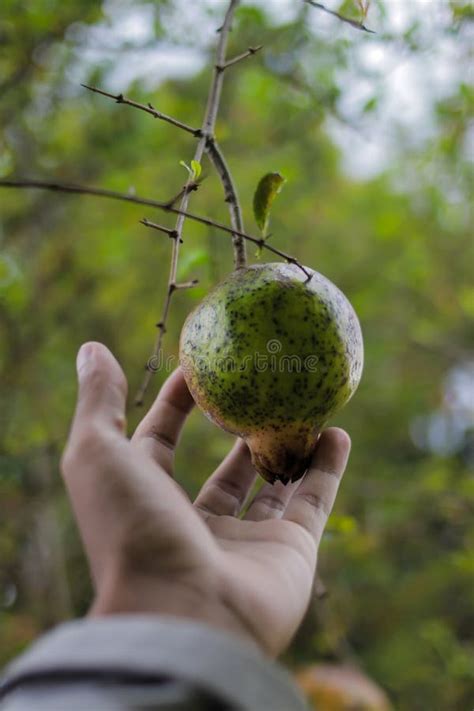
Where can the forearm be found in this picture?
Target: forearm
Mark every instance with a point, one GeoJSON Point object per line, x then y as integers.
{"type": "Point", "coordinates": [182, 599]}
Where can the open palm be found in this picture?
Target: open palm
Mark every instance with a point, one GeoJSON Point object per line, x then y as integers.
{"type": "Point", "coordinates": [152, 550]}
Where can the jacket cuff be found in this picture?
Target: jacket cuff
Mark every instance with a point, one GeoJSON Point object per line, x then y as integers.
{"type": "Point", "coordinates": [129, 648]}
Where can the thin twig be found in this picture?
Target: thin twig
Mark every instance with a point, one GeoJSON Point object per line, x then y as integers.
{"type": "Point", "coordinates": [188, 188]}
{"type": "Point", "coordinates": [217, 159]}
{"type": "Point", "coordinates": [259, 241]}
{"type": "Point", "coordinates": [165, 206]}
{"type": "Point", "coordinates": [186, 284]}
{"type": "Point", "coordinates": [235, 60]}
{"type": "Point", "coordinates": [240, 257]}
{"type": "Point", "coordinates": [342, 18]}
{"type": "Point", "coordinates": [170, 231]}
{"type": "Point", "coordinates": [148, 108]}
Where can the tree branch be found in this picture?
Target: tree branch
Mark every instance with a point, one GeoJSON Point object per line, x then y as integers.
{"type": "Point", "coordinates": [189, 187]}
{"type": "Point", "coordinates": [205, 134]}
{"type": "Point", "coordinates": [217, 158]}
{"type": "Point", "coordinates": [165, 206]}
{"type": "Point", "coordinates": [230, 62]}
{"type": "Point", "coordinates": [258, 241]}
{"type": "Point", "coordinates": [342, 18]}
{"type": "Point", "coordinates": [240, 257]}
{"type": "Point", "coordinates": [207, 131]}
{"type": "Point", "coordinates": [148, 108]}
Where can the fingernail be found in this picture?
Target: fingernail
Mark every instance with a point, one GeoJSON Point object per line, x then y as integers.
{"type": "Point", "coordinates": [83, 356]}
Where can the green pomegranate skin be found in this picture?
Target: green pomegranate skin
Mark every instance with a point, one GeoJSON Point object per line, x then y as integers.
{"type": "Point", "coordinates": [270, 356]}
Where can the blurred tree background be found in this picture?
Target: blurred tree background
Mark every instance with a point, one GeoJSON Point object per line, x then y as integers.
{"type": "Point", "coordinates": [372, 133]}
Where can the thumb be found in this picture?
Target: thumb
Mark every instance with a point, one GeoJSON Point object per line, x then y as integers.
{"type": "Point", "coordinates": [100, 412]}
{"type": "Point", "coordinates": [102, 390]}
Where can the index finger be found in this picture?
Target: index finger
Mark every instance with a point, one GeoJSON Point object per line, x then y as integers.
{"type": "Point", "coordinates": [159, 431]}
{"type": "Point", "coordinates": [313, 500]}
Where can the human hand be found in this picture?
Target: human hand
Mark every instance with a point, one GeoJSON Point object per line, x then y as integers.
{"type": "Point", "coordinates": [151, 550]}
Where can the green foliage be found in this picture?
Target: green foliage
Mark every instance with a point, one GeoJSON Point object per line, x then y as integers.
{"type": "Point", "coordinates": [397, 557]}
{"type": "Point", "coordinates": [267, 189]}
{"type": "Point", "coordinates": [194, 171]}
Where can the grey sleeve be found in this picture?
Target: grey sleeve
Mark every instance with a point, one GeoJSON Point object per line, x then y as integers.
{"type": "Point", "coordinates": [138, 662]}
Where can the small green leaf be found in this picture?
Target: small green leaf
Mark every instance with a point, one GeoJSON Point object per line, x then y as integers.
{"type": "Point", "coordinates": [196, 169]}
{"type": "Point", "coordinates": [267, 189]}
{"type": "Point", "coordinates": [185, 165]}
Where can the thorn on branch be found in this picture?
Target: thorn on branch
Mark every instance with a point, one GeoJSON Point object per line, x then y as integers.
{"type": "Point", "coordinates": [155, 113]}
{"type": "Point", "coordinates": [161, 326]}
{"type": "Point", "coordinates": [249, 53]}
{"type": "Point", "coordinates": [186, 284]}
{"type": "Point", "coordinates": [183, 285]}
{"type": "Point", "coordinates": [171, 232]}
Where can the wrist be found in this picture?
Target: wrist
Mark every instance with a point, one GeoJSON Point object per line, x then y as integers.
{"type": "Point", "coordinates": [181, 598]}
